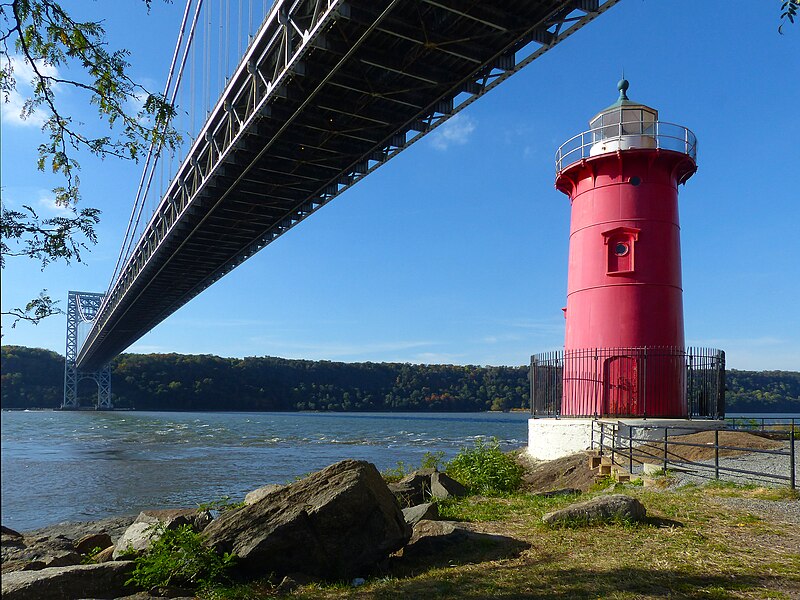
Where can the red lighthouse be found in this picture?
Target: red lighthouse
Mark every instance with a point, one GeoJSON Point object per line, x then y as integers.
{"type": "Point", "coordinates": [624, 351]}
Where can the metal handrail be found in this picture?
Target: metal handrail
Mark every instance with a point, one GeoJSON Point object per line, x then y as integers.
{"type": "Point", "coordinates": [667, 136]}
{"type": "Point", "coordinates": [674, 459]}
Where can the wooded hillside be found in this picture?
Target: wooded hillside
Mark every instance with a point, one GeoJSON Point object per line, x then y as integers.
{"type": "Point", "coordinates": [33, 378]}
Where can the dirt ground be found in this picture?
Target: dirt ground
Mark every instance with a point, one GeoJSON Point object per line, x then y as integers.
{"type": "Point", "coordinates": [574, 472]}
{"type": "Point", "coordinates": [735, 439]}
{"type": "Point", "coordinates": [544, 476]}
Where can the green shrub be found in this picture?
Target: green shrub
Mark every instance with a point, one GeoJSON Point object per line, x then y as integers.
{"type": "Point", "coordinates": [395, 474]}
{"type": "Point", "coordinates": [430, 460]}
{"type": "Point", "coordinates": [433, 460]}
{"type": "Point", "coordinates": [222, 504]}
{"type": "Point", "coordinates": [485, 469]}
{"type": "Point", "coordinates": [179, 557]}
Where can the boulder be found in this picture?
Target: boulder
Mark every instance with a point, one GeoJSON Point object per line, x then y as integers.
{"type": "Point", "coordinates": [172, 518]}
{"type": "Point", "coordinates": [105, 555]}
{"type": "Point", "coordinates": [106, 580]}
{"type": "Point", "coordinates": [415, 514]}
{"type": "Point", "coordinates": [114, 526]}
{"type": "Point", "coordinates": [260, 493]}
{"type": "Point", "coordinates": [92, 541]}
{"type": "Point", "coordinates": [145, 529]}
{"type": "Point", "coordinates": [7, 531]}
{"type": "Point", "coordinates": [405, 495]}
{"type": "Point", "coordinates": [443, 486]}
{"type": "Point", "coordinates": [414, 488]}
{"type": "Point", "coordinates": [603, 509]}
{"type": "Point", "coordinates": [336, 523]}
{"type": "Point", "coordinates": [17, 551]}
{"type": "Point", "coordinates": [136, 539]}
{"type": "Point", "coordinates": [422, 485]}
{"type": "Point", "coordinates": [442, 542]}
{"type": "Point", "coordinates": [62, 559]}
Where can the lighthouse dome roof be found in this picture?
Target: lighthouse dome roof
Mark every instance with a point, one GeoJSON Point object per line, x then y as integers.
{"type": "Point", "coordinates": [623, 102]}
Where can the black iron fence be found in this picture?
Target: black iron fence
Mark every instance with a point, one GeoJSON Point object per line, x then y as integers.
{"type": "Point", "coordinates": [637, 382]}
{"type": "Point", "coordinates": [632, 447]}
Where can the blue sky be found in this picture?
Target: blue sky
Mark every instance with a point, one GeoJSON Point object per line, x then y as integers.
{"type": "Point", "coordinates": [456, 251]}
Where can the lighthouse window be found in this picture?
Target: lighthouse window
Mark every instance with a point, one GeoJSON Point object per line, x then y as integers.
{"type": "Point", "coordinates": [620, 245]}
{"type": "Point", "coordinates": [635, 181]}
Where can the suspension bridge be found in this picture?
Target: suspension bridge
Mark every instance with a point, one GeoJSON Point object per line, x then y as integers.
{"type": "Point", "coordinates": [281, 109]}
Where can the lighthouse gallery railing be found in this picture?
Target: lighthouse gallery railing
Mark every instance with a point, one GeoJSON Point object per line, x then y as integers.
{"type": "Point", "coordinates": [658, 134]}
{"type": "Point", "coordinates": [703, 370]}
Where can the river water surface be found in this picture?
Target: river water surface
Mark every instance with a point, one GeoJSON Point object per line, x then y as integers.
{"type": "Point", "coordinates": [77, 466]}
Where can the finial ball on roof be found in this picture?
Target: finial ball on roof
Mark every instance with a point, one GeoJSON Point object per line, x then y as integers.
{"type": "Point", "coordinates": [622, 86]}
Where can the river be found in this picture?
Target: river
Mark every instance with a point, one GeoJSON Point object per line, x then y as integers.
{"type": "Point", "coordinates": [77, 466]}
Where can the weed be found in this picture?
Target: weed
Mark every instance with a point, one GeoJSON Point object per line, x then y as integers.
{"type": "Point", "coordinates": [179, 557]}
{"type": "Point", "coordinates": [485, 469]}
{"type": "Point", "coordinates": [433, 460]}
{"type": "Point", "coordinates": [430, 460]}
{"type": "Point", "coordinates": [396, 473]}
{"type": "Point", "coordinates": [601, 483]}
{"type": "Point", "coordinates": [221, 504]}
{"type": "Point", "coordinates": [90, 557]}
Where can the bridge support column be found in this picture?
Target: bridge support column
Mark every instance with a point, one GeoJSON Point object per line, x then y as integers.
{"type": "Point", "coordinates": [81, 309]}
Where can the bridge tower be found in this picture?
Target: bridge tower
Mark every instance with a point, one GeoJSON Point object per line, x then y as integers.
{"type": "Point", "coordinates": [81, 309]}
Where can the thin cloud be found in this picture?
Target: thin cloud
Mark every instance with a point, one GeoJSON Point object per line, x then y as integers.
{"type": "Point", "coordinates": [47, 205]}
{"type": "Point", "coordinates": [455, 132]}
{"type": "Point", "coordinates": [13, 105]}
{"type": "Point", "coordinates": [148, 349]}
{"type": "Point", "coordinates": [330, 351]}
{"type": "Point", "coordinates": [441, 358]}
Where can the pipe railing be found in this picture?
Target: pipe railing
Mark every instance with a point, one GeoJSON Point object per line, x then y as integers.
{"type": "Point", "coordinates": [619, 441]}
{"type": "Point", "coordinates": [657, 134]}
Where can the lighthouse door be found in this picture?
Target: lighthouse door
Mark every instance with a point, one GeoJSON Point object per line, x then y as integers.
{"type": "Point", "coordinates": [621, 386]}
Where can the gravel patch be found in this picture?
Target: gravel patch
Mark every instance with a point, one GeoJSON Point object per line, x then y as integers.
{"type": "Point", "coordinates": [781, 511]}
{"type": "Point", "coordinates": [764, 464]}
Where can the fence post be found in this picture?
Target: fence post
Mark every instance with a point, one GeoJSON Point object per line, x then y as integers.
{"type": "Point", "coordinates": [666, 430]}
{"type": "Point", "coordinates": [792, 481]}
{"type": "Point", "coordinates": [531, 381]}
{"type": "Point", "coordinates": [716, 454]}
{"type": "Point", "coordinates": [614, 434]}
{"type": "Point", "coordinates": [630, 449]}
{"type": "Point", "coordinates": [644, 376]}
{"type": "Point", "coordinates": [690, 385]}
{"type": "Point", "coordinates": [602, 437]}
{"type": "Point", "coordinates": [596, 385]}
{"type": "Point", "coordinates": [720, 410]}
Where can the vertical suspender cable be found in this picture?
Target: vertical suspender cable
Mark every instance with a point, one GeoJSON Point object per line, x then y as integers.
{"type": "Point", "coordinates": [139, 200]}
{"type": "Point", "coordinates": [239, 31]}
{"type": "Point", "coordinates": [175, 89]}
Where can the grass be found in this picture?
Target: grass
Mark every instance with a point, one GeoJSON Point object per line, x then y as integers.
{"type": "Point", "coordinates": [692, 546]}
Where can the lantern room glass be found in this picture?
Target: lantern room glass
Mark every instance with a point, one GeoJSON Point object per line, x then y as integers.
{"type": "Point", "coordinates": [623, 121]}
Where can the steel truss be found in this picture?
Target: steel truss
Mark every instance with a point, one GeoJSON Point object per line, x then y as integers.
{"type": "Point", "coordinates": [327, 92]}
{"type": "Point", "coordinates": [82, 307]}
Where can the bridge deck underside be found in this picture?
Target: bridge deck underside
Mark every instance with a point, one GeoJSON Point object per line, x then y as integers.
{"type": "Point", "coordinates": [374, 74]}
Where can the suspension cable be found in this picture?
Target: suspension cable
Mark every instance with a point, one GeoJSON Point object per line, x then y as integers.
{"type": "Point", "coordinates": [175, 91]}
{"type": "Point", "coordinates": [139, 199]}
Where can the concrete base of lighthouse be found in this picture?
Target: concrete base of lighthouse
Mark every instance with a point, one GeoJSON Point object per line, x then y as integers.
{"type": "Point", "coordinates": [551, 438]}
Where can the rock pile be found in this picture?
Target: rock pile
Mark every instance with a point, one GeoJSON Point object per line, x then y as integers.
{"type": "Point", "coordinates": [339, 523]}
